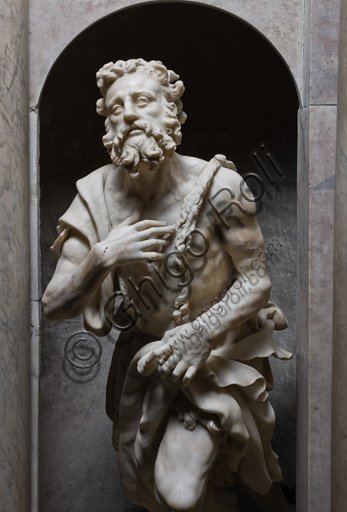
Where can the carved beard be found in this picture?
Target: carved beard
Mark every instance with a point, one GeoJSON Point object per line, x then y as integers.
{"type": "Point", "coordinates": [152, 146]}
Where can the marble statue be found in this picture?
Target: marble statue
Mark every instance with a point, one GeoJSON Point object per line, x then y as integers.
{"type": "Point", "coordinates": [177, 239]}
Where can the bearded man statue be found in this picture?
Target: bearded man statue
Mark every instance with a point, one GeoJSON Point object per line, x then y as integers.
{"type": "Point", "coordinates": [155, 141]}
{"type": "Point", "coordinates": [177, 239]}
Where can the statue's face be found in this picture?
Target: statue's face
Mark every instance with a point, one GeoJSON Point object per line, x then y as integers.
{"type": "Point", "coordinates": [132, 98]}
{"type": "Point", "coordinates": [139, 123]}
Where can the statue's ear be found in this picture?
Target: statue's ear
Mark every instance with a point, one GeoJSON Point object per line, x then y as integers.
{"type": "Point", "coordinates": [101, 107]}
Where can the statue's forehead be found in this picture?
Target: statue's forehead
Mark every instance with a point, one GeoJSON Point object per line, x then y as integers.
{"type": "Point", "coordinates": [133, 83]}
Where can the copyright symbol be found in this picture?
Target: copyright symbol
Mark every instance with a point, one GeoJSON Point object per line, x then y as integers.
{"type": "Point", "coordinates": [85, 347]}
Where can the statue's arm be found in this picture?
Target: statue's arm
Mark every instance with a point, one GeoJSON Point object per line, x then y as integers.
{"type": "Point", "coordinates": [244, 243]}
{"type": "Point", "coordinates": [185, 349]}
{"type": "Point", "coordinates": [77, 277]}
{"type": "Point", "coordinates": [81, 269]}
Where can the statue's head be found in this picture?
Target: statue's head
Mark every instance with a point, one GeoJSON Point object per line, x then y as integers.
{"type": "Point", "coordinates": [141, 102]}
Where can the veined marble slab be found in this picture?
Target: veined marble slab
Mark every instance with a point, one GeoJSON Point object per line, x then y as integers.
{"type": "Point", "coordinates": [14, 259]}
{"type": "Point", "coordinates": [317, 132]}
{"type": "Point", "coordinates": [53, 25]}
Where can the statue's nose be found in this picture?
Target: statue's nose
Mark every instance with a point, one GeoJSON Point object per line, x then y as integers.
{"type": "Point", "coordinates": [130, 113]}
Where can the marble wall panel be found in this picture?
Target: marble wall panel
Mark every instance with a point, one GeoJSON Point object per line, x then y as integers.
{"type": "Point", "coordinates": [302, 319]}
{"type": "Point", "coordinates": [35, 300]}
{"type": "Point", "coordinates": [53, 25]}
{"type": "Point", "coordinates": [315, 220]}
{"type": "Point", "coordinates": [321, 51]}
{"type": "Point", "coordinates": [339, 380]}
{"type": "Point", "coordinates": [14, 259]}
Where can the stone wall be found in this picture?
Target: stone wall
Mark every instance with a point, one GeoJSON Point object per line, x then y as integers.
{"type": "Point", "coordinates": [230, 111]}
{"type": "Point", "coordinates": [305, 33]}
{"type": "Point", "coordinates": [14, 259]}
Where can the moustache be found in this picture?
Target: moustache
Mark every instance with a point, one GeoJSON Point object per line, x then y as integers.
{"type": "Point", "coordinates": [144, 126]}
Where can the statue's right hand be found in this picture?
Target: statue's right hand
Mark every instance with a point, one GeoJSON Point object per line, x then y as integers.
{"type": "Point", "coordinates": [133, 241]}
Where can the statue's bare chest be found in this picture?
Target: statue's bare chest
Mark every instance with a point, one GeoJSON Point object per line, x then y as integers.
{"type": "Point", "coordinates": [166, 208]}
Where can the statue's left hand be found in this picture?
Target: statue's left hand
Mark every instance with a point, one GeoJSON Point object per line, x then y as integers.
{"type": "Point", "coordinates": [182, 353]}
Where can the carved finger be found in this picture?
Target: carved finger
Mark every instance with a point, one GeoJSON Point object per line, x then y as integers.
{"type": "Point", "coordinates": [161, 354]}
{"type": "Point", "coordinates": [190, 373]}
{"type": "Point", "coordinates": [170, 334]}
{"type": "Point", "coordinates": [150, 243]}
{"type": "Point", "coordinates": [152, 356]}
{"type": "Point", "coordinates": [147, 365]}
{"type": "Point", "coordinates": [170, 357]}
{"type": "Point", "coordinates": [148, 233]}
{"type": "Point", "coordinates": [152, 256]}
{"type": "Point", "coordinates": [168, 365]}
{"type": "Point", "coordinates": [179, 370]}
{"type": "Point", "coordinates": [145, 224]}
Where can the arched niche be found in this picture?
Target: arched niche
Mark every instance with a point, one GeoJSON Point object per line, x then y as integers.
{"type": "Point", "coordinates": [240, 97]}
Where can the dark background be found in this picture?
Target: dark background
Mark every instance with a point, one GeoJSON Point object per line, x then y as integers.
{"type": "Point", "coordinates": [239, 95]}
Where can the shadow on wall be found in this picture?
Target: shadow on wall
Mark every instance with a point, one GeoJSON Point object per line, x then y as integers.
{"type": "Point", "coordinates": [239, 95]}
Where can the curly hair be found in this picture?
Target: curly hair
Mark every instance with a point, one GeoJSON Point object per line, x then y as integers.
{"type": "Point", "coordinates": [110, 72]}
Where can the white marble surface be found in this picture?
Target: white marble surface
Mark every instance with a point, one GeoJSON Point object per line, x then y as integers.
{"type": "Point", "coordinates": [316, 148]}
{"type": "Point", "coordinates": [35, 373]}
{"type": "Point", "coordinates": [315, 226]}
{"type": "Point", "coordinates": [14, 259]}
{"type": "Point", "coordinates": [53, 25]}
{"type": "Point", "coordinates": [34, 206]}
{"type": "Point", "coordinates": [320, 52]}
{"type": "Point", "coordinates": [303, 309]}
{"type": "Point", "coordinates": [35, 303]}
{"type": "Point", "coordinates": [339, 402]}
{"type": "Point", "coordinates": [322, 185]}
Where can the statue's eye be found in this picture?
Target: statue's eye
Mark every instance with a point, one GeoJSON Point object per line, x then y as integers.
{"type": "Point", "coordinates": [117, 109]}
{"type": "Point", "coordinates": [142, 101]}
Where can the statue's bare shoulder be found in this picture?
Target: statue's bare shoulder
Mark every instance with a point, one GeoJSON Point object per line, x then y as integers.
{"type": "Point", "coordinates": [226, 177]}
{"type": "Point", "coordinates": [188, 168]}
{"type": "Point", "coordinates": [191, 161]}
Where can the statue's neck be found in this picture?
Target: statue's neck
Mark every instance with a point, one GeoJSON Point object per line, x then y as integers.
{"type": "Point", "coordinates": [151, 184]}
